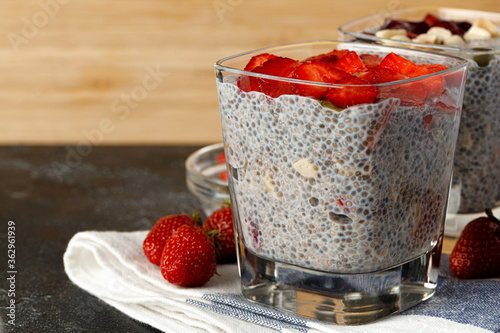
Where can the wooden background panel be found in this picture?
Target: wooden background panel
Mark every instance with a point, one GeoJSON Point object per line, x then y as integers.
{"type": "Point", "coordinates": [141, 72]}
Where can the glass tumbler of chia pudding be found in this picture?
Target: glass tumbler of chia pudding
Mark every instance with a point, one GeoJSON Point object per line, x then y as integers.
{"type": "Point", "coordinates": [472, 35]}
{"type": "Point", "coordinates": [339, 158]}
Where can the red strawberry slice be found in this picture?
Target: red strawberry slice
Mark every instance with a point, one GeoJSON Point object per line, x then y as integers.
{"type": "Point", "coordinates": [278, 66]}
{"type": "Point", "coordinates": [316, 71]}
{"type": "Point", "coordinates": [350, 63]}
{"type": "Point", "coordinates": [406, 67]}
{"type": "Point", "coordinates": [370, 60]}
{"type": "Point", "coordinates": [411, 93]}
{"type": "Point", "coordinates": [351, 94]}
{"type": "Point", "coordinates": [403, 66]}
{"type": "Point", "coordinates": [381, 75]}
{"type": "Point", "coordinates": [435, 84]}
{"type": "Point", "coordinates": [411, 35]}
{"type": "Point", "coordinates": [434, 67]}
{"type": "Point", "coordinates": [258, 60]}
{"type": "Point", "coordinates": [430, 20]}
{"type": "Point", "coordinates": [244, 82]}
{"type": "Point", "coordinates": [221, 158]}
{"type": "Point", "coordinates": [329, 57]}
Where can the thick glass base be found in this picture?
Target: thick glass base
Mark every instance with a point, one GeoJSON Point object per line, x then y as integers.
{"type": "Point", "coordinates": [345, 299]}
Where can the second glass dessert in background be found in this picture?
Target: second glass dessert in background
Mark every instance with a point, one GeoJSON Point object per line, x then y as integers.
{"type": "Point", "coordinates": [339, 187]}
{"type": "Point", "coordinates": [472, 35]}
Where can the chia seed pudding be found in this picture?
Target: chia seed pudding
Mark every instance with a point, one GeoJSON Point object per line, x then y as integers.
{"type": "Point", "coordinates": [476, 170]}
{"type": "Point", "coordinates": [477, 156]}
{"type": "Point", "coordinates": [350, 191]}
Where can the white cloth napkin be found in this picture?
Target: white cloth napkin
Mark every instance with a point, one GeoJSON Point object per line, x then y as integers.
{"type": "Point", "coordinates": [111, 265]}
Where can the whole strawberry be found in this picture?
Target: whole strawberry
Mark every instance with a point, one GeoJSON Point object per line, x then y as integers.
{"type": "Point", "coordinates": [477, 252]}
{"type": "Point", "coordinates": [188, 259]}
{"type": "Point", "coordinates": [221, 221]}
{"type": "Point", "coordinates": [161, 231]}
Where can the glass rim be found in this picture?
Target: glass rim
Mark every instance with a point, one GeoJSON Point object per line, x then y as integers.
{"type": "Point", "coordinates": [219, 64]}
{"type": "Point", "coordinates": [480, 47]}
{"type": "Point", "coordinates": [191, 169]}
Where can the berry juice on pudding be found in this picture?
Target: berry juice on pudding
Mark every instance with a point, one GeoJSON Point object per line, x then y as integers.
{"type": "Point", "coordinates": [340, 160]}
{"type": "Point", "coordinates": [472, 35]}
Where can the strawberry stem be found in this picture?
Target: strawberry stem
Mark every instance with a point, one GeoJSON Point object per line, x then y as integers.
{"type": "Point", "coordinates": [490, 215]}
{"type": "Point", "coordinates": [197, 218]}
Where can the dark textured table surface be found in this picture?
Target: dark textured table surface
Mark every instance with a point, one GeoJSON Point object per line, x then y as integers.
{"type": "Point", "coordinates": [51, 193]}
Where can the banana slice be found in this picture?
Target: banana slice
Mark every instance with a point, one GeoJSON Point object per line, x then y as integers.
{"type": "Point", "coordinates": [306, 168]}
{"type": "Point", "coordinates": [388, 33]}
{"type": "Point", "coordinates": [425, 38]}
{"type": "Point", "coordinates": [477, 33]}
{"type": "Point", "coordinates": [486, 25]}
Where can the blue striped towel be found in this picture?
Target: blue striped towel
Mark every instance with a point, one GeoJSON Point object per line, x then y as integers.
{"type": "Point", "coordinates": [112, 266]}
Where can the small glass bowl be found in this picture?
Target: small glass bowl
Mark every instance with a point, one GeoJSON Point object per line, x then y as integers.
{"type": "Point", "coordinates": [203, 180]}
{"type": "Point", "coordinates": [364, 28]}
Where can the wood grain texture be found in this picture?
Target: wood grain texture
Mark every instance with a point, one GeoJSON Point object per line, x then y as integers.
{"type": "Point", "coordinates": [67, 66]}
{"type": "Point", "coordinates": [449, 244]}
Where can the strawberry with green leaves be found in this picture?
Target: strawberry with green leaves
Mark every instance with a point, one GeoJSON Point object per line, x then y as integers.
{"type": "Point", "coordinates": [188, 258]}
{"type": "Point", "coordinates": [220, 225]}
{"type": "Point", "coordinates": [155, 241]}
{"type": "Point", "coordinates": [477, 252]}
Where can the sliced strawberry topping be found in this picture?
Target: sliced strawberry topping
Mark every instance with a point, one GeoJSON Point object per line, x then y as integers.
{"type": "Point", "coordinates": [221, 158]}
{"type": "Point", "coordinates": [434, 67]}
{"type": "Point", "coordinates": [345, 67]}
{"type": "Point", "coordinates": [403, 66]}
{"type": "Point", "coordinates": [276, 66]}
{"type": "Point", "coordinates": [247, 83]}
{"type": "Point", "coordinates": [258, 60]}
{"type": "Point", "coordinates": [329, 57]}
{"type": "Point", "coordinates": [410, 93]}
{"type": "Point", "coordinates": [350, 95]}
{"type": "Point", "coordinates": [434, 85]}
{"type": "Point", "coordinates": [281, 67]}
{"type": "Point", "coordinates": [382, 75]}
{"type": "Point", "coordinates": [430, 20]}
{"type": "Point", "coordinates": [316, 71]}
{"type": "Point", "coordinates": [350, 63]}
{"type": "Point", "coordinates": [370, 60]}
{"type": "Point", "coordinates": [411, 35]}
